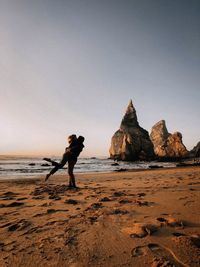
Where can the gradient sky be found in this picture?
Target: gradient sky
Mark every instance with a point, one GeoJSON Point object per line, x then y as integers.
{"type": "Point", "coordinates": [71, 66]}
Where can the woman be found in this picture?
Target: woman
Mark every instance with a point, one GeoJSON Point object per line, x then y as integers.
{"type": "Point", "coordinates": [71, 155]}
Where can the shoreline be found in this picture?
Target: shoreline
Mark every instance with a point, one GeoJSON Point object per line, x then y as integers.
{"type": "Point", "coordinates": [138, 218]}
{"type": "Point", "coordinates": [38, 177]}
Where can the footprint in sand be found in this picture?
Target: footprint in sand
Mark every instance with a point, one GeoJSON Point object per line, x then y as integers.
{"type": "Point", "coordinates": [125, 201]}
{"type": "Point", "coordinates": [71, 201]}
{"type": "Point", "coordinates": [94, 206]}
{"type": "Point", "coordinates": [51, 211]}
{"type": "Point", "coordinates": [54, 196]}
{"type": "Point", "coordinates": [118, 194]}
{"type": "Point", "coordinates": [118, 212]}
{"type": "Point", "coordinates": [141, 194]}
{"type": "Point", "coordinates": [177, 234]}
{"type": "Point", "coordinates": [20, 225]}
{"type": "Point", "coordinates": [188, 202]}
{"type": "Point", "coordinates": [38, 197]}
{"type": "Point", "coordinates": [105, 199]}
{"type": "Point", "coordinates": [8, 195]}
{"type": "Point", "coordinates": [183, 198]}
{"type": "Point", "coordinates": [196, 240]}
{"type": "Point", "coordinates": [166, 255]}
{"type": "Point", "coordinates": [192, 242]}
{"type": "Point", "coordinates": [22, 198]}
{"type": "Point", "coordinates": [141, 230]}
{"type": "Point", "coordinates": [170, 221]}
{"type": "Point", "coordinates": [163, 256]}
{"type": "Point", "coordinates": [15, 204]}
{"type": "Point", "coordinates": [139, 251]}
{"type": "Point", "coordinates": [143, 203]}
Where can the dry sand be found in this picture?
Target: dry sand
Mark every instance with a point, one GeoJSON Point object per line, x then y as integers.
{"type": "Point", "coordinates": [138, 218]}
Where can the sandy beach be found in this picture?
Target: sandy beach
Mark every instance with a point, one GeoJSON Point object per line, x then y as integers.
{"type": "Point", "coordinates": [132, 218]}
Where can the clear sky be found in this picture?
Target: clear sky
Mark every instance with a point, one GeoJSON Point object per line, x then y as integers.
{"type": "Point", "coordinates": [71, 66]}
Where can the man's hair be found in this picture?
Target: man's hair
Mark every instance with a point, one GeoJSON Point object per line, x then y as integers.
{"type": "Point", "coordinates": [81, 139]}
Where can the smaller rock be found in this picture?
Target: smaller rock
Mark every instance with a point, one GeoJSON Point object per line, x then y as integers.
{"type": "Point", "coordinates": [115, 164]}
{"type": "Point", "coordinates": [155, 167]}
{"type": "Point", "coordinates": [121, 170]}
{"type": "Point", "coordinates": [166, 145]}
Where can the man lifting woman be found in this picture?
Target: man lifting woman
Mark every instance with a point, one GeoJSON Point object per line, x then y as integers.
{"type": "Point", "coordinates": [71, 155]}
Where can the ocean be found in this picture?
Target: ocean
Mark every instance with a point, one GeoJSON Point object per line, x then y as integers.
{"type": "Point", "coordinates": [26, 167]}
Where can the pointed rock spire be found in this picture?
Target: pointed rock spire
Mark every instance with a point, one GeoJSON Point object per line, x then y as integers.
{"type": "Point", "coordinates": [131, 142]}
{"type": "Point", "coordinates": [130, 107]}
{"type": "Point", "coordinates": [130, 117]}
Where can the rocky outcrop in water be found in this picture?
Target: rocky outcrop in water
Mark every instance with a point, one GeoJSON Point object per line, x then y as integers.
{"type": "Point", "coordinates": [167, 145]}
{"type": "Point", "coordinates": [131, 142]}
{"type": "Point", "coordinates": [195, 152]}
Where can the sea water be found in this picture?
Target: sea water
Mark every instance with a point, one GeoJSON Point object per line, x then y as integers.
{"type": "Point", "coordinates": [15, 167]}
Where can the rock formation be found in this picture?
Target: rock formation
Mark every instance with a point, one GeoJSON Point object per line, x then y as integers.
{"type": "Point", "coordinates": [167, 145]}
{"type": "Point", "coordinates": [131, 142]}
{"type": "Point", "coordinates": [195, 152]}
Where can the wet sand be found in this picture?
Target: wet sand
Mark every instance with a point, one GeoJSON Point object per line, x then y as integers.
{"type": "Point", "coordinates": [133, 218]}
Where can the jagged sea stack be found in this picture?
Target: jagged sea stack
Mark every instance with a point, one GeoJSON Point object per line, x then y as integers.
{"type": "Point", "coordinates": [195, 152]}
{"type": "Point", "coordinates": [131, 142]}
{"type": "Point", "coordinates": [167, 145]}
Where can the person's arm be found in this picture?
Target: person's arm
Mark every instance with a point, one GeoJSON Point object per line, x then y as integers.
{"type": "Point", "coordinates": [76, 148]}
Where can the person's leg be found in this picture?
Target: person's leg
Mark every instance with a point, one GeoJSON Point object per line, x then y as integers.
{"type": "Point", "coordinates": [54, 163]}
{"type": "Point", "coordinates": [52, 172]}
{"type": "Point", "coordinates": [64, 159]}
{"type": "Point", "coordinates": [71, 164]}
{"type": "Point", "coordinates": [57, 165]}
{"type": "Point", "coordinates": [61, 163]}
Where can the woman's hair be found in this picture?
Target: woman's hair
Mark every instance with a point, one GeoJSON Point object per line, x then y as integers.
{"type": "Point", "coordinates": [72, 137]}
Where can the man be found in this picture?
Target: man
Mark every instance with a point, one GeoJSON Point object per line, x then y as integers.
{"type": "Point", "coordinates": [71, 155]}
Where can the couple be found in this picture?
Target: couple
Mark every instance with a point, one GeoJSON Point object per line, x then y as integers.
{"type": "Point", "coordinates": [71, 155]}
